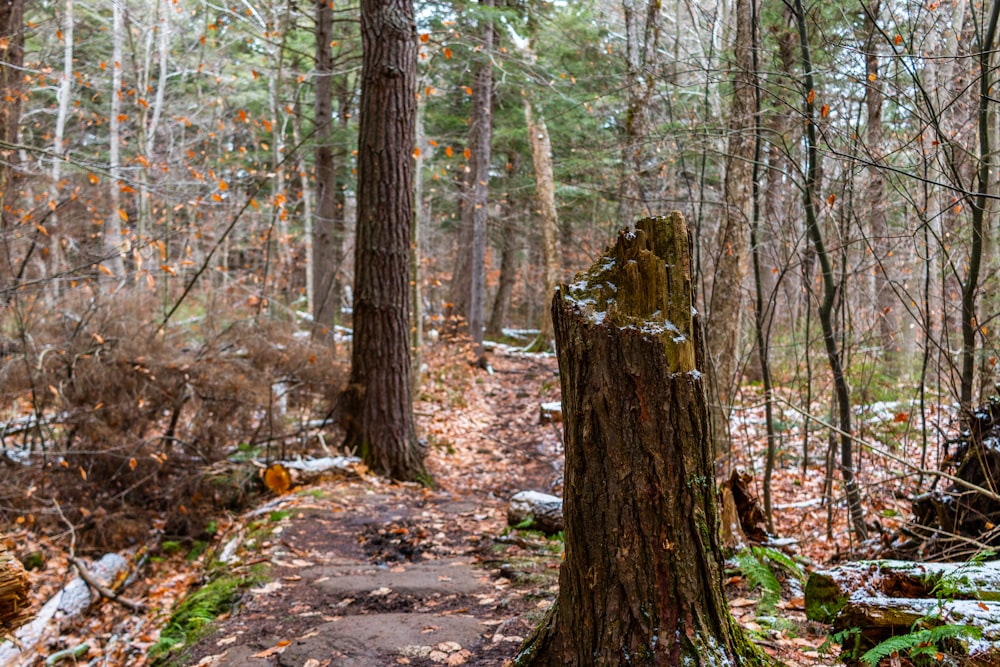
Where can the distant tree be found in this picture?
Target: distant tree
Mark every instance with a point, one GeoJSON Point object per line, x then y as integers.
{"type": "Point", "coordinates": [378, 404]}
{"type": "Point", "coordinates": [11, 60]}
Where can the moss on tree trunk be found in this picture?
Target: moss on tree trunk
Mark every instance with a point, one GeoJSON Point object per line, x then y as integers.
{"type": "Point", "coordinates": [641, 581]}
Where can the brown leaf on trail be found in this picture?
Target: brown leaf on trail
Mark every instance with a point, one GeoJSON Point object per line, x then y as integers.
{"type": "Point", "coordinates": [274, 650]}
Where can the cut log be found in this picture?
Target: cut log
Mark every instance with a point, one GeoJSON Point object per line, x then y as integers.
{"type": "Point", "coordinates": [550, 412]}
{"type": "Point", "coordinates": [14, 589]}
{"type": "Point", "coordinates": [828, 591]}
{"type": "Point", "coordinates": [544, 511]}
{"type": "Point", "coordinates": [71, 601]}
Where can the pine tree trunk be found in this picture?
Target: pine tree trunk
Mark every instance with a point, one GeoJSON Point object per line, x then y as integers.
{"type": "Point", "coordinates": [377, 408]}
{"type": "Point", "coordinates": [545, 201]}
{"type": "Point", "coordinates": [641, 583]}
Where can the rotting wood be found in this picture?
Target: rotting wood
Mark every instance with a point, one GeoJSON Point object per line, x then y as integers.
{"type": "Point", "coordinates": [14, 589]}
{"type": "Point", "coordinates": [641, 582]}
{"type": "Point", "coordinates": [74, 598]}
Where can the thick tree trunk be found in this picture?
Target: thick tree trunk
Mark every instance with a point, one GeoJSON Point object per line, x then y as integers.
{"type": "Point", "coordinates": [378, 404]}
{"type": "Point", "coordinates": [641, 582]}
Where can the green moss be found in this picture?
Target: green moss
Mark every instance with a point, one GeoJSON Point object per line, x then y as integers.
{"type": "Point", "coordinates": [192, 617]}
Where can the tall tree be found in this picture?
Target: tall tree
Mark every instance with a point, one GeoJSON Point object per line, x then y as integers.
{"type": "Point", "coordinates": [833, 351]}
{"type": "Point", "coordinates": [325, 306]}
{"type": "Point", "coordinates": [11, 61]}
{"type": "Point", "coordinates": [725, 312]}
{"type": "Point", "coordinates": [642, 38]}
{"type": "Point", "coordinates": [472, 303]}
{"type": "Point", "coordinates": [112, 249]}
{"type": "Point", "coordinates": [545, 206]}
{"type": "Point", "coordinates": [378, 404]}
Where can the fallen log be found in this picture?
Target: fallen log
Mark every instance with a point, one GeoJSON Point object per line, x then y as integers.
{"type": "Point", "coordinates": [545, 512]}
{"type": "Point", "coordinates": [74, 598]}
{"type": "Point", "coordinates": [900, 615]}
{"type": "Point", "coordinates": [828, 591]}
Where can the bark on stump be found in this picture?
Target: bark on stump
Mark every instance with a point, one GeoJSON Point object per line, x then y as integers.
{"type": "Point", "coordinates": [641, 581]}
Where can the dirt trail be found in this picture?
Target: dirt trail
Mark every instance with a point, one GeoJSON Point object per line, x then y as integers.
{"type": "Point", "coordinates": [368, 573]}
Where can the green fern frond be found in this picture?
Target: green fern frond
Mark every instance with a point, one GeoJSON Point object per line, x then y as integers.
{"type": "Point", "coordinates": [782, 559]}
{"type": "Point", "coordinates": [919, 642]}
{"type": "Point", "coordinates": [759, 575]}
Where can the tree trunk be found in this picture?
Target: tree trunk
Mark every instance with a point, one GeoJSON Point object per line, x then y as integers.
{"type": "Point", "coordinates": [545, 201]}
{"type": "Point", "coordinates": [725, 312]}
{"type": "Point", "coordinates": [886, 318]}
{"type": "Point", "coordinates": [641, 582]}
{"type": "Point", "coordinates": [472, 304]}
{"type": "Point", "coordinates": [509, 243]}
{"type": "Point", "coordinates": [325, 306]}
{"type": "Point", "coordinates": [378, 404]}
{"type": "Point", "coordinates": [11, 60]}
{"type": "Point", "coordinates": [642, 38]}
{"type": "Point", "coordinates": [112, 249]}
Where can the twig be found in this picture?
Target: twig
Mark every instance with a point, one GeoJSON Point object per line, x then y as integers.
{"type": "Point", "coordinates": [103, 590]}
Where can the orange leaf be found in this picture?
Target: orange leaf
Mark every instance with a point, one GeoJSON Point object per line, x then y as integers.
{"type": "Point", "coordinates": [216, 197]}
{"type": "Point", "coordinates": [872, 76]}
{"type": "Point", "coordinates": [277, 478]}
{"type": "Point", "coordinates": [811, 96]}
{"type": "Point", "coordinates": [105, 270]}
{"type": "Point", "coordinates": [83, 473]}
{"type": "Point", "coordinates": [93, 178]}
{"type": "Point", "coordinates": [132, 463]}
{"type": "Point", "coordinates": [416, 152]}
{"type": "Point", "coordinates": [448, 151]}
{"type": "Point", "coordinates": [123, 215]}
{"type": "Point", "coordinates": [432, 142]}
{"type": "Point", "coordinates": [825, 110]}
{"type": "Point", "coordinates": [468, 90]}
{"type": "Point", "coordinates": [424, 38]}
{"type": "Point", "coordinates": [447, 53]}
{"type": "Point", "coordinates": [223, 185]}
{"type": "Point", "coordinates": [831, 199]}
{"type": "Point", "coordinates": [898, 39]}
{"type": "Point", "coordinates": [254, 72]}
{"type": "Point", "coordinates": [467, 153]}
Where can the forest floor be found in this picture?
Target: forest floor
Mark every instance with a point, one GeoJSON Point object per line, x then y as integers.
{"type": "Point", "coordinates": [356, 570]}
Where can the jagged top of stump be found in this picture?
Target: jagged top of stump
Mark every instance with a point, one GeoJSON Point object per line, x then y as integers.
{"type": "Point", "coordinates": [643, 281]}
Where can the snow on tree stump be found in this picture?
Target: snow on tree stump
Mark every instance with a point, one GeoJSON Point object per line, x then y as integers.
{"type": "Point", "coordinates": [641, 581]}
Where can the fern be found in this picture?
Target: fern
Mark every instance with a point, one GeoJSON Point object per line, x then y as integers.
{"type": "Point", "coordinates": [779, 558]}
{"type": "Point", "coordinates": [917, 643]}
{"type": "Point", "coordinates": [759, 575]}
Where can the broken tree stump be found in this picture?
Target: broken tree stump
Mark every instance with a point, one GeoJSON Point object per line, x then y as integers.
{"type": "Point", "coordinates": [641, 582]}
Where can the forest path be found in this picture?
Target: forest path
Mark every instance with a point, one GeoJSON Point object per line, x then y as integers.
{"type": "Point", "coordinates": [364, 572]}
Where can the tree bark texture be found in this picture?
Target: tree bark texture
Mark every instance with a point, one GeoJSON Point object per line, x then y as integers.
{"type": "Point", "coordinates": [641, 582]}
{"type": "Point", "coordinates": [377, 404]}
{"type": "Point", "coordinates": [725, 312]}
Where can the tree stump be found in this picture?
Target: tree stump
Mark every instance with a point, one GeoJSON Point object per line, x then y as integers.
{"type": "Point", "coordinates": [641, 582]}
